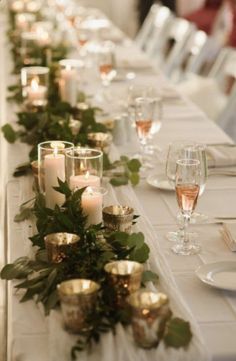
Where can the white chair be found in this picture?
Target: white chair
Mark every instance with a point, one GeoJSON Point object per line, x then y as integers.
{"type": "Point", "coordinates": [153, 26]}
{"type": "Point", "coordinates": [167, 49]}
{"type": "Point", "coordinates": [215, 94]}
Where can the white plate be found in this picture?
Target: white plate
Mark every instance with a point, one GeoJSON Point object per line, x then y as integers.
{"type": "Point", "coordinates": [159, 181]}
{"type": "Point", "coordinates": [220, 275]}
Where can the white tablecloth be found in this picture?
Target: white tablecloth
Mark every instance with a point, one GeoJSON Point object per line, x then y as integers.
{"type": "Point", "coordinates": [214, 311]}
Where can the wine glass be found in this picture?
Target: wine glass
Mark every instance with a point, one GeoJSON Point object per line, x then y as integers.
{"type": "Point", "coordinates": [198, 151]}
{"type": "Point", "coordinates": [144, 114]}
{"type": "Point", "coordinates": [187, 187]}
{"type": "Point", "coordinates": [187, 150]}
{"type": "Point", "coordinates": [106, 65]}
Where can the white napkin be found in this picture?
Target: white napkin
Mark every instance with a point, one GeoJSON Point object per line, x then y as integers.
{"type": "Point", "coordinates": [221, 156]}
{"type": "Point", "coordinates": [229, 235]}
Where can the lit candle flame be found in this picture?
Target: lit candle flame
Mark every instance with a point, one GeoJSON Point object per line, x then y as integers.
{"type": "Point", "coordinates": [34, 84]}
{"type": "Point", "coordinates": [89, 191]}
{"type": "Point", "coordinates": [68, 67]}
{"type": "Point", "coordinates": [57, 146]}
{"type": "Point", "coordinates": [86, 175]}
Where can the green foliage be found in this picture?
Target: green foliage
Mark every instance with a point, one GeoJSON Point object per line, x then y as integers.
{"type": "Point", "coordinates": [123, 171]}
{"type": "Point", "coordinates": [178, 333]}
{"type": "Point", "coordinates": [9, 133]}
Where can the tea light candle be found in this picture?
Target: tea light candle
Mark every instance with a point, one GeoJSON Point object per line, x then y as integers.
{"type": "Point", "coordinates": [36, 93]}
{"type": "Point", "coordinates": [68, 85]}
{"type": "Point", "coordinates": [85, 180]}
{"type": "Point", "coordinates": [43, 38]}
{"type": "Point", "coordinates": [23, 20]}
{"type": "Point", "coordinates": [17, 6]}
{"type": "Point", "coordinates": [91, 202]}
{"type": "Point", "coordinates": [54, 166]}
{"type": "Point", "coordinates": [149, 309]}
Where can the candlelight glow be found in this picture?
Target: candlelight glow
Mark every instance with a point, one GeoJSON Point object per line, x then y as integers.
{"type": "Point", "coordinates": [57, 146]}
{"type": "Point", "coordinates": [34, 84]}
{"type": "Point", "coordinates": [86, 175]}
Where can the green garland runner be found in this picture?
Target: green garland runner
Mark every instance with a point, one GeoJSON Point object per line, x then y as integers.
{"type": "Point", "coordinates": [96, 247]}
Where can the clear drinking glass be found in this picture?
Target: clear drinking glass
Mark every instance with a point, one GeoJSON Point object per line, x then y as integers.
{"type": "Point", "coordinates": [187, 187]}
{"type": "Point", "coordinates": [106, 64]}
{"type": "Point", "coordinates": [144, 116]}
{"type": "Point", "coordinates": [186, 150]}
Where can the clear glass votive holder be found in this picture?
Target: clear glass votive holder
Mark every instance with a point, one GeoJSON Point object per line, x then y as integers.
{"type": "Point", "coordinates": [24, 21]}
{"type": "Point", "coordinates": [70, 74]}
{"type": "Point", "coordinates": [101, 141]}
{"type": "Point", "coordinates": [148, 312]}
{"type": "Point", "coordinates": [78, 303]}
{"type": "Point", "coordinates": [30, 54]}
{"type": "Point", "coordinates": [124, 277]}
{"type": "Point", "coordinates": [34, 82]}
{"type": "Point", "coordinates": [118, 218]}
{"type": "Point", "coordinates": [51, 165]}
{"type": "Point", "coordinates": [57, 245]}
{"type": "Point", "coordinates": [84, 167]}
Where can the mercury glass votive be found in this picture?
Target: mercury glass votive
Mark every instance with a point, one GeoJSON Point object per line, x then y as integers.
{"type": "Point", "coordinates": [124, 277]}
{"type": "Point", "coordinates": [84, 167]}
{"type": "Point", "coordinates": [148, 311]}
{"type": "Point", "coordinates": [101, 141]}
{"type": "Point", "coordinates": [57, 244]}
{"type": "Point", "coordinates": [70, 71]}
{"type": "Point", "coordinates": [118, 218]}
{"type": "Point", "coordinates": [51, 165]}
{"type": "Point", "coordinates": [34, 82]}
{"type": "Point", "coordinates": [78, 302]}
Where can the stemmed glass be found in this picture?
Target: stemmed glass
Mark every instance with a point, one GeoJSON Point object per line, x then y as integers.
{"type": "Point", "coordinates": [187, 150]}
{"type": "Point", "coordinates": [106, 65]}
{"type": "Point", "coordinates": [144, 115]}
{"type": "Point", "coordinates": [187, 187]}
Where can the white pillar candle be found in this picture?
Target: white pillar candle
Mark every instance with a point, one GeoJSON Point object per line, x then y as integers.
{"type": "Point", "coordinates": [85, 180]}
{"type": "Point", "coordinates": [68, 85]}
{"type": "Point", "coordinates": [54, 167]}
{"type": "Point", "coordinates": [91, 202]}
{"type": "Point", "coordinates": [36, 93]}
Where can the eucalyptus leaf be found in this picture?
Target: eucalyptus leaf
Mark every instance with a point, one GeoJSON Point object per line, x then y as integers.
{"type": "Point", "coordinates": [25, 213]}
{"type": "Point", "coordinates": [119, 181]}
{"type": "Point", "coordinates": [134, 165]}
{"type": "Point", "coordinates": [9, 133]}
{"type": "Point", "coordinates": [149, 276]}
{"type": "Point", "coordinates": [178, 333]}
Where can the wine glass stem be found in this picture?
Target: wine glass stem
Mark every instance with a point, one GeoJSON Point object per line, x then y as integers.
{"type": "Point", "coordinates": [184, 229]}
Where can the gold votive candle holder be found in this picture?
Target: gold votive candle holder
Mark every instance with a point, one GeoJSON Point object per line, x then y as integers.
{"type": "Point", "coordinates": [101, 141]}
{"type": "Point", "coordinates": [78, 303]}
{"type": "Point", "coordinates": [118, 218]}
{"type": "Point", "coordinates": [149, 310]}
{"type": "Point", "coordinates": [58, 244]}
{"type": "Point", "coordinates": [124, 277]}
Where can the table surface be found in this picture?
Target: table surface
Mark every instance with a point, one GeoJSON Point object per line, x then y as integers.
{"type": "Point", "coordinates": [214, 310]}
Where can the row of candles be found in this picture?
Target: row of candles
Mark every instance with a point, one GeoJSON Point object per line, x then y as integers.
{"type": "Point", "coordinates": [35, 82]}
{"type": "Point", "coordinates": [79, 297]}
{"type": "Point", "coordinates": [82, 167]}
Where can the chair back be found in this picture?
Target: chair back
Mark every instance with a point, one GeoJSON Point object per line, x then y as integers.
{"type": "Point", "coordinates": [154, 24]}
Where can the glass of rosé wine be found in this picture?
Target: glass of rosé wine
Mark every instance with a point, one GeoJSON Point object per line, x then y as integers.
{"type": "Point", "coordinates": [144, 117]}
{"type": "Point", "coordinates": [187, 188]}
{"type": "Point", "coordinates": [106, 64]}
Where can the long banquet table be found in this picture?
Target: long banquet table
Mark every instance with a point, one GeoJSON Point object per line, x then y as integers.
{"type": "Point", "coordinates": [212, 312]}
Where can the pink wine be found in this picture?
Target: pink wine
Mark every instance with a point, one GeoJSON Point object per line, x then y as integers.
{"type": "Point", "coordinates": [105, 69]}
{"type": "Point", "coordinates": [143, 127]}
{"type": "Point", "coordinates": [187, 195]}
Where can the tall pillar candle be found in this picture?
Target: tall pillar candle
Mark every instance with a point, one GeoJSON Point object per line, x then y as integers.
{"type": "Point", "coordinates": [54, 167]}
{"type": "Point", "coordinates": [68, 85]}
{"type": "Point", "coordinates": [91, 202]}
